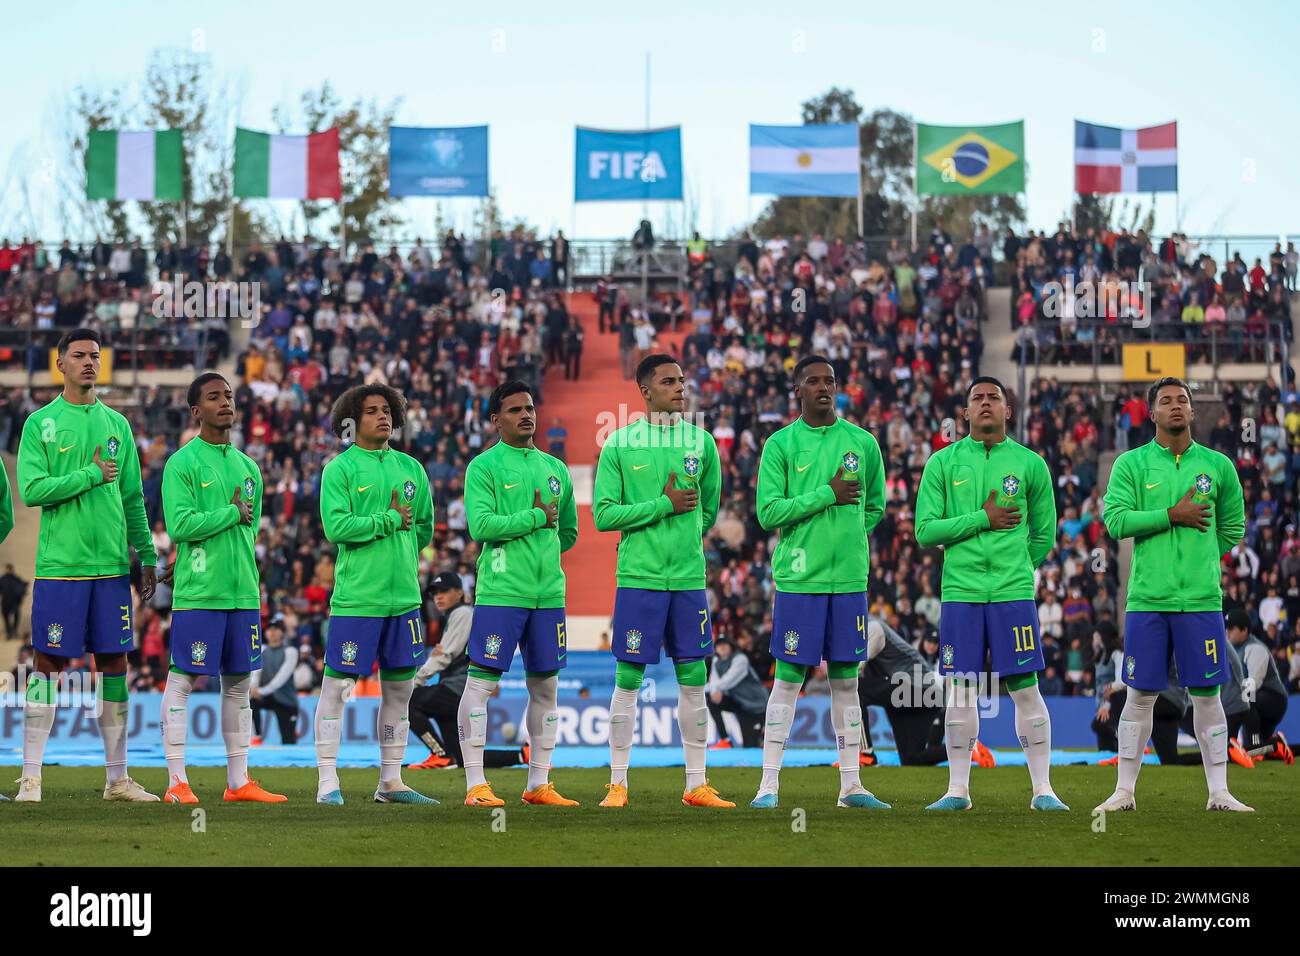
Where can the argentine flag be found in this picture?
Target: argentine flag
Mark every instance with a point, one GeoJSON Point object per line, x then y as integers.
{"type": "Point", "coordinates": [804, 160]}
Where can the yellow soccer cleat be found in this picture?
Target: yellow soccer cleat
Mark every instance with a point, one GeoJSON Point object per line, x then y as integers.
{"type": "Point", "coordinates": [482, 796]}
{"type": "Point", "coordinates": [179, 792]}
{"type": "Point", "coordinates": [547, 796]}
{"type": "Point", "coordinates": [616, 795]}
{"type": "Point", "coordinates": [704, 796]}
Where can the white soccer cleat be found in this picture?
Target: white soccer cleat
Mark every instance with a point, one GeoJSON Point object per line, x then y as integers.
{"type": "Point", "coordinates": [1223, 800]}
{"type": "Point", "coordinates": [29, 790]}
{"type": "Point", "coordinates": [129, 791]}
{"type": "Point", "coordinates": [1119, 800]}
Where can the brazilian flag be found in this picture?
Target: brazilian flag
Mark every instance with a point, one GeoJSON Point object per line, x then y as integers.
{"type": "Point", "coordinates": [957, 160]}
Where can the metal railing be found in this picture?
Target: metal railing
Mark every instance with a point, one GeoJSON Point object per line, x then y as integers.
{"type": "Point", "coordinates": [135, 350]}
{"type": "Point", "coordinates": [1097, 342]}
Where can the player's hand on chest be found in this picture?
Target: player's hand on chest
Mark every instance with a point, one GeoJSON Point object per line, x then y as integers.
{"type": "Point", "coordinates": [372, 488]}
{"type": "Point", "coordinates": [808, 468]}
{"type": "Point", "coordinates": [219, 485]}
{"type": "Point", "coordinates": [1188, 490]}
{"type": "Point", "coordinates": [647, 471]}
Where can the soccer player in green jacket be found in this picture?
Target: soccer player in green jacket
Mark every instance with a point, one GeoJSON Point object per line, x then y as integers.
{"type": "Point", "coordinates": [821, 487]}
{"type": "Point", "coordinates": [376, 507]}
{"type": "Point", "coordinates": [1182, 504]}
{"type": "Point", "coordinates": [78, 463]}
{"type": "Point", "coordinates": [6, 505]}
{"type": "Point", "coordinates": [519, 503]}
{"type": "Point", "coordinates": [212, 502]}
{"type": "Point", "coordinates": [658, 482]}
{"type": "Point", "coordinates": [969, 502]}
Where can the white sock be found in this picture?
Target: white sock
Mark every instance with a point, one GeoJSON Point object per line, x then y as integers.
{"type": "Point", "coordinates": [236, 727]}
{"type": "Point", "coordinates": [693, 722]}
{"type": "Point", "coordinates": [174, 721]}
{"type": "Point", "coordinates": [542, 718]}
{"type": "Point", "coordinates": [471, 721]}
{"type": "Point", "coordinates": [334, 692]}
{"type": "Point", "coordinates": [962, 728]}
{"type": "Point", "coordinates": [113, 716]}
{"type": "Point", "coordinates": [781, 705]}
{"type": "Point", "coordinates": [1034, 728]}
{"type": "Point", "coordinates": [37, 721]}
{"type": "Point", "coordinates": [392, 726]}
{"type": "Point", "coordinates": [846, 719]}
{"type": "Point", "coordinates": [1212, 734]}
{"type": "Point", "coordinates": [622, 726]}
{"type": "Point", "coordinates": [1134, 731]}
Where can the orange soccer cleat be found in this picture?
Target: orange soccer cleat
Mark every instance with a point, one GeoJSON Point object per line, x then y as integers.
{"type": "Point", "coordinates": [179, 792]}
{"type": "Point", "coordinates": [547, 796]}
{"type": "Point", "coordinates": [722, 744]}
{"type": "Point", "coordinates": [982, 756]}
{"type": "Point", "coordinates": [866, 759]}
{"type": "Point", "coordinates": [252, 792]}
{"type": "Point", "coordinates": [433, 762]}
{"type": "Point", "coordinates": [704, 796]}
{"type": "Point", "coordinates": [1281, 749]}
{"type": "Point", "coordinates": [1239, 756]}
{"type": "Point", "coordinates": [616, 795]}
{"type": "Point", "coordinates": [482, 796]}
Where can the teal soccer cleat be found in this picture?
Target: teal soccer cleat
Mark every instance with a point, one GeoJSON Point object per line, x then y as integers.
{"type": "Point", "coordinates": [864, 800]}
{"type": "Point", "coordinates": [951, 803]}
{"type": "Point", "coordinates": [765, 801]}
{"type": "Point", "coordinates": [334, 798]}
{"type": "Point", "coordinates": [1047, 801]}
{"type": "Point", "coordinates": [403, 796]}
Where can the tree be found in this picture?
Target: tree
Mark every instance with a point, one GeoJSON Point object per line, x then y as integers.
{"type": "Point", "coordinates": [83, 111]}
{"type": "Point", "coordinates": [888, 191]}
{"type": "Point", "coordinates": [1105, 213]}
{"type": "Point", "coordinates": [368, 210]}
{"type": "Point", "coordinates": [180, 93]}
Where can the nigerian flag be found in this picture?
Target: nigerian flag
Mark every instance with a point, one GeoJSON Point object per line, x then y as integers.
{"type": "Point", "coordinates": [953, 160]}
{"type": "Point", "coordinates": [147, 165]}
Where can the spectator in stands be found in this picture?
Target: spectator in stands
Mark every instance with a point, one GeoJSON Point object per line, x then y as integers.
{"type": "Point", "coordinates": [273, 688]}
{"type": "Point", "coordinates": [734, 687]}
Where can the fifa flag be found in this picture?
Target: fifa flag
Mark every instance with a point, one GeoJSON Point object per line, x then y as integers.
{"type": "Point", "coordinates": [804, 160]}
{"type": "Point", "coordinates": [446, 161]}
{"type": "Point", "coordinates": [1112, 160]}
{"type": "Point", "coordinates": [134, 165]}
{"type": "Point", "coordinates": [627, 164]}
{"type": "Point", "coordinates": [271, 166]}
{"type": "Point", "coordinates": [959, 160]}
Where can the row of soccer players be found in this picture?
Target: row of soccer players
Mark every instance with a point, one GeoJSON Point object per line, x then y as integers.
{"type": "Point", "coordinates": [820, 487]}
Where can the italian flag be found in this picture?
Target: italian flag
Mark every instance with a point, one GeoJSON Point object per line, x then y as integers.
{"type": "Point", "coordinates": [134, 165]}
{"type": "Point", "coordinates": [270, 166]}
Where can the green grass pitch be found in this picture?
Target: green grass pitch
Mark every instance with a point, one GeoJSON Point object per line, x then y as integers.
{"type": "Point", "coordinates": [1171, 827]}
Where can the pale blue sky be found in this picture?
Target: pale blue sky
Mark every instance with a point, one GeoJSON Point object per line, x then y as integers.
{"type": "Point", "coordinates": [533, 70]}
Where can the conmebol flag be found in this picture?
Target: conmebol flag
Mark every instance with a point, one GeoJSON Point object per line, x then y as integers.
{"type": "Point", "coordinates": [804, 160]}
{"type": "Point", "coordinates": [1112, 160]}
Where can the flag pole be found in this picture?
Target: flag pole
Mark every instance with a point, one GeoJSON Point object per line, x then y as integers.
{"type": "Point", "coordinates": [184, 217]}
{"type": "Point", "coordinates": [230, 230]}
{"type": "Point", "coordinates": [343, 231]}
{"type": "Point", "coordinates": [916, 195]}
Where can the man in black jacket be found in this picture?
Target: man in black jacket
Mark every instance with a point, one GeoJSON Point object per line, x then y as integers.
{"type": "Point", "coordinates": [433, 706]}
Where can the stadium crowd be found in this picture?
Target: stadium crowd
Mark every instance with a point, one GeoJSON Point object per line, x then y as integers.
{"type": "Point", "coordinates": [902, 326]}
{"type": "Point", "coordinates": [1218, 314]}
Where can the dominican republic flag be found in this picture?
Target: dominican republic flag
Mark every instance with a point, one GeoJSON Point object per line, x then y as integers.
{"type": "Point", "coordinates": [1112, 160]}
